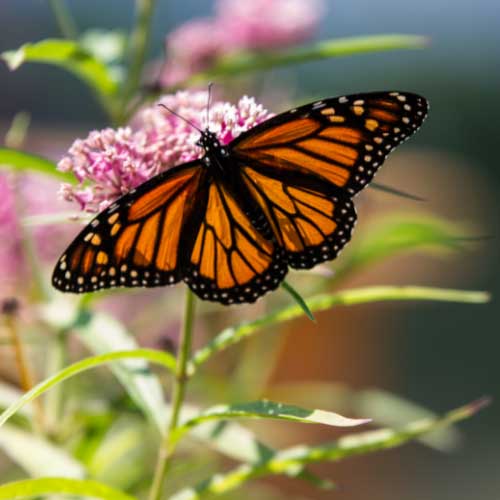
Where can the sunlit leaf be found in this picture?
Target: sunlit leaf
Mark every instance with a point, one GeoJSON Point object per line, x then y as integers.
{"type": "Point", "coordinates": [37, 456]}
{"type": "Point", "coordinates": [270, 410]}
{"type": "Point", "coordinates": [30, 488]}
{"type": "Point", "coordinates": [235, 334]}
{"type": "Point", "coordinates": [347, 446]}
{"type": "Point", "coordinates": [29, 163]}
{"type": "Point", "coordinates": [242, 62]}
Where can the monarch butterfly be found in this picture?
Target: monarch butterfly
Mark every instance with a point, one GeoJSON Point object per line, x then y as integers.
{"type": "Point", "coordinates": [231, 223]}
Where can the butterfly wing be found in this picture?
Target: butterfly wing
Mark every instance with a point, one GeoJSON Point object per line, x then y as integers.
{"type": "Point", "coordinates": [302, 167]}
{"type": "Point", "coordinates": [342, 140]}
{"type": "Point", "coordinates": [231, 260]}
{"type": "Point", "coordinates": [138, 239]}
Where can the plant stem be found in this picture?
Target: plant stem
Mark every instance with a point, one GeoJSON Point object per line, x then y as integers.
{"type": "Point", "coordinates": [23, 369]}
{"type": "Point", "coordinates": [168, 444]}
{"type": "Point", "coordinates": [139, 42]}
{"type": "Point", "coordinates": [64, 19]}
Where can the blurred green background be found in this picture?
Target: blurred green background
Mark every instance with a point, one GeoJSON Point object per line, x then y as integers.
{"type": "Point", "coordinates": [438, 355]}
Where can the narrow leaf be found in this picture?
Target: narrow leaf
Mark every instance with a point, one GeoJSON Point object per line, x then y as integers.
{"type": "Point", "coordinates": [163, 358]}
{"type": "Point", "coordinates": [30, 488]}
{"type": "Point", "coordinates": [242, 62]}
{"type": "Point", "coordinates": [347, 446]}
{"type": "Point", "coordinates": [271, 410]}
{"type": "Point", "coordinates": [26, 162]}
{"type": "Point", "coordinates": [321, 302]}
{"type": "Point", "coordinates": [299, 299]}
{"type": "Point", "coordinates": [37, 456]}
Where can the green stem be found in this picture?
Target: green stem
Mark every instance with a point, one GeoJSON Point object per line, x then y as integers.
{"type": "Point", "coordinates": [139, 42]}
{"type": "Point", "coordinates": [169, 442]}
{"type": "Point", "coordinates": [64, 19]}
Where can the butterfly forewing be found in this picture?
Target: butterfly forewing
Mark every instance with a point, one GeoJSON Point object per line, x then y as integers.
{"type": "Point", "coordinates": [342, 140]}
{"type": "Point", "coordinates": [137, 240]}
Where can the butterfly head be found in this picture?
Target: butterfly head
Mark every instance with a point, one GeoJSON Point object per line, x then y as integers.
{"type": "Point", "coordinates": [210, 143]}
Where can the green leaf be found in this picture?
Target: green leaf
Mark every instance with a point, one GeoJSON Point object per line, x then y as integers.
{"type": "Point", "coordinates": [272, 410]}
{"type": "Point", "coordinates": [401, 234]}
{"type": "Point", "coordinates": [299, 299]}
{"type": "Point", "coordinates": [60, 486]}
{"type": "Point", "coordinates": [242, 62]}
{"type": "Point", "coordinates": [25, 162]}
{"type": "Point", "coordinates": [163, 358]}
{"type": "Point", "coordinates": [71, 56]}
{"type": "Point", "coordinates": [37, 456]}
{"type": "Point", "coordinates": [345, 447]}
{"type": "Point", "coordinates": [321, 302]}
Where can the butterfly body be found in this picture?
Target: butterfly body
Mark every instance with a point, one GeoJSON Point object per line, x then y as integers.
{"type": "Point", "coordinates": [232, 223]}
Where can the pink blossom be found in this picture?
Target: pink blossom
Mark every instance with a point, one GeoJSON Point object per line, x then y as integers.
{"type": "Point", "coordinates": [267, 24]}
{"type": "Point", "coordinates": [191, 48]}
{"type": "Point", "coordinates": [238, 25]}
{"type": "Point", "coordinates": [109, 163]}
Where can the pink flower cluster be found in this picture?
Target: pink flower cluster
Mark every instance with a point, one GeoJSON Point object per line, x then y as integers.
{"type": "Point", "coordinates": [238, 25]}
{"type": "Point", "coordinates": [109, 163]}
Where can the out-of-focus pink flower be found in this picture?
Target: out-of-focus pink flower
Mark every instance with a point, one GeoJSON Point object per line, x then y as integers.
{"type": "Point", "coordinates": [19, 197]}
{"type": "Point", "coordinates": [10, 248]}
{"type": "Point", "coordinates": [267, 24]}
{"type": "Point", "coordinates": [238, 25]}
{"type": "Point", "coordinates": [191, 48]}
{"type": "Point", "coordinates": [109, 163]}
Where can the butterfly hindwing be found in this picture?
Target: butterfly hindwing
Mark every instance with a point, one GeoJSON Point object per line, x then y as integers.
{"type": "Point", "coordinates": [340, 140]}
{"type": "Point", "coordinates": [135, 241]}
{"type": "Point", "coordinates": [231, 261]}
{"type": "Point", "coordinates": [310, 221]}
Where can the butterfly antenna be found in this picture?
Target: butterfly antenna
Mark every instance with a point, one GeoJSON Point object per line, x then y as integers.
{"type": "Point", "coordinates": [181, 117]}
{"type": "Point", "coordinates": [208, 102]}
